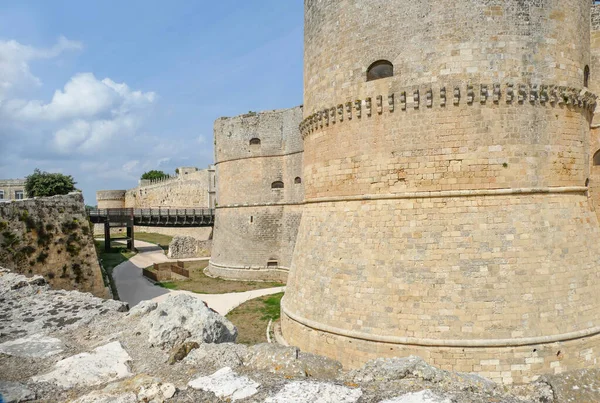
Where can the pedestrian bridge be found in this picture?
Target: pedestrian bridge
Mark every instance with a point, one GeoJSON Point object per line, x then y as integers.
{"type": "Point", "coordinates": [130, 217]}
{"type": "Point", "coordinates": [153, 217]}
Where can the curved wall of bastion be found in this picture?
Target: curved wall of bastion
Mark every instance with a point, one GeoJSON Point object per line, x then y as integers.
{"type": "Point", "coordinates": [594, 86]}
{"type": "Point", "coordinates": [110, 198]}
{"type": "Point", "coordinates": [446, 206]}
{"type": "Point", "coordinates": [255, 224]}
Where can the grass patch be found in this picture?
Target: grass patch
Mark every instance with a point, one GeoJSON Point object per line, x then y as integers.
{"type": "Point", "coordinates": [200, 283]}
{"type": "Point", "coordinates": [117, 255]}
{"type": "Point", "coordinates": [168, 285]}
{"type": "Point", "coordinates": [252, 318]}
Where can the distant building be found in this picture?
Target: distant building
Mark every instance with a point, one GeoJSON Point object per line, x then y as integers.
{"type": "Point", "coordinates": [12, 189]}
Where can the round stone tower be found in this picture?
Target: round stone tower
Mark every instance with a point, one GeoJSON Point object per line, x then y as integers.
{"type": "Point", "coordinates": [446, 149]}
{"type": "Point", "coordinates": [110, 198]}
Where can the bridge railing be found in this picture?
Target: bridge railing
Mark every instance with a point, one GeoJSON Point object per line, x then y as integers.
{"type": "Point", "coordinates": [151, 212]}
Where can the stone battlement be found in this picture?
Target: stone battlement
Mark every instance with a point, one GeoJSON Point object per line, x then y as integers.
{"type": "Point", "coordinates": [448, 96]}
{"type": "Point", "coordinates": [110, 195]}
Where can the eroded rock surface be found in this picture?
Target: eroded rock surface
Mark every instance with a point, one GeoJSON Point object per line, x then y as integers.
{"type": "Point", "coordinates": [28, 306]}
{"type": "Point", "coordinates": [424, 396]}
{"type": "Point", "coordinates": [227, 384]}
{"type": "Point", "coordinates": [33, 346]}
{"type": "Point", "coordinates": [13, 392]}
{"type": "Point", "coordinates": [182, 318]}
{"type": "Point", "coordinates": [104, 364]}
{"type": "Point", "coordinates": [216, 356]}
{"type": "Point", "coordinates": [311, 392]}
{"type": "Point", "coordinates": [291, 362]}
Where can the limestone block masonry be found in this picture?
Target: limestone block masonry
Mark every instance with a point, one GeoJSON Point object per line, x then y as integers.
{"type": "Point", "coordinates": [51, 236]}
{"type": "Point", "coordinates": [191, 188]}
{"type": "Point", "coordinates": [446, 206]}
{"type": "Point", "coordinates": [259, 186]}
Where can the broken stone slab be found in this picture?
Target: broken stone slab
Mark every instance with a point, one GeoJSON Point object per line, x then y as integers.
{"type": "Point", "coordinates": [291, 362]}
{"type": "Point", "coordinates": [105, 364]}
{"type": "Point", "coordinates": [181, 318]}
{"type": "Point", "coordinates": [33, 346]}
{"type": "Point", "coordinates": [226, 384]}
{"type": "Point", "coordinates": [14, 392]}
{"type": "Point", "coordinates": [315, 392]}
{"type": "Point", "coordinates": [99, 397]}
{"type": "Point", "coordinates": [215, 356]}
{"type": "Point", "coordinates": [424, 396]}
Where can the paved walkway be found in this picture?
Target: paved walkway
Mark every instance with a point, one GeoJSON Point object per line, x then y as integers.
{"type": "Point", "coordinates": [134, 288]}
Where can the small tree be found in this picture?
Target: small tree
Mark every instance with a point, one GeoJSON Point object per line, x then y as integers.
{"type": "Point", "coordinates": [154, 174]}
{"type": "Point", "coordinates": [44, 184]}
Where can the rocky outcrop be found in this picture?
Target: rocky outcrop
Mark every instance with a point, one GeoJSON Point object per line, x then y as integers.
{"type": "Point", "coordinates": [51, 237]}
{"type": "Point", "coordinates": [182, 318]}
{"type": "Point", "coordinates": [108, 355]}
{"type": "Point", "coordinates": [185, 247]}
{"type": "Point", "coordinates": [28, 307]}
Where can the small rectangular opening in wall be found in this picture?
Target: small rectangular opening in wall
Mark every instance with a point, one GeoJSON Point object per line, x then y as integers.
{"type": "Point", "coordinates": [251, 219]}
{"type": "Point", "coordinates": [272, 263]}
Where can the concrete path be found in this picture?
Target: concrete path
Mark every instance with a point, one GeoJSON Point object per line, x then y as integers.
{"type": "Point", "coordinates": [225, 303]}
{"type": "Point", "coordinates": [133, 287]}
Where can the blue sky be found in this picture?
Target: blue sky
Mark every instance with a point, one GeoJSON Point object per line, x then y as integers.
{"type": "Point", "coordinates": [105, 90]}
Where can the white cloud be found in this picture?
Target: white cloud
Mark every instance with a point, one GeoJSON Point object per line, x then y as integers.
{"type": "Point", "coordinates": [15, 59]}
{"type": "Point", "coordinates": [130, 166]}
{"type": "Point", "coordinates": [94, 128]}
{"type": "Point", "coordinates": [85, 117]}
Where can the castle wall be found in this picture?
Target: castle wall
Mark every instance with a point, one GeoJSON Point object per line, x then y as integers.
{"type": "Point", "coordinates": [594, 85]}
{"type": "Point", "coordinates": [51, 237]}
{"type": "Point", "coordinates": [446, 206]}
{"type": "Point", "coordinates": [190, 189]}
{"type": "Point", "coordinates": [256, 225]}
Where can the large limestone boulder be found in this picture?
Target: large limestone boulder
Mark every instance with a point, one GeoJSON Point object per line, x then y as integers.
{"type": "Point", "coordinates": [180, 318]}
{"type": "Point", "coordinates": [184, 247]}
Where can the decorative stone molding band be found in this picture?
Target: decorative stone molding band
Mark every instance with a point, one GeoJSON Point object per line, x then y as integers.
{"type": "Point", "coordinates": [421, 195]}
{"type": "Point", "coordinates": [428, 97]}
{"type": "Point", "coordinates": [414, 341]}
{"type": "Point", "coordinates": [451, 193]}
{"type": "Point", "coordinates": [274, 204]}
{"type": "Point", "coordinates": [260, 156]}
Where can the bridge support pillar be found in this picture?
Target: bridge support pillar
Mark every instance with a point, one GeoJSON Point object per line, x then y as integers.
{"type": "Point", "coordinates": [130, 236]}
{"type": "Point", "coordinates": [107, 236]}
